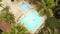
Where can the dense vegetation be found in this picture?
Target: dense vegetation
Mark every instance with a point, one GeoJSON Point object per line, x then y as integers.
{"type": "Point", "coordinates": [50, 8]}
{"type": "Point", "coordinates": [16, 29]}
{"type": "Point", "coordinates": [51, 26]}
{"type": "Point", "coordinates": [44, 7]}
{"type": "Point", "coordinates": [7, 16]}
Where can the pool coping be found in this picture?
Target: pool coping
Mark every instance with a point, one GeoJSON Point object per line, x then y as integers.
{"type": "Point", "coordinates": [44, 17]}
{"type": "Point", "coordinates": [23, 15]}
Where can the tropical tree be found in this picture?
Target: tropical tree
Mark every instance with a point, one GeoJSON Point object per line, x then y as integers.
{"type": "Point", "coordinates": [52, 23]}
{"type": "Point", "coordinates": [7, 16]}
{"type": "Point", "coordinates": [17, 29]}
{"type": "Point", "coordinates": [56, 11]}
{"type": "Point", "coordinates": [45, 7]}
{"type": "Point", "coordinates": [51, 26]}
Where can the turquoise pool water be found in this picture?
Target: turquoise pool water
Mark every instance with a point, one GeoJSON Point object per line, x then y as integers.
{"type": "Point", "coordinates": [25, 7]}
{"type": "Point", "coordinates": [31, 21]}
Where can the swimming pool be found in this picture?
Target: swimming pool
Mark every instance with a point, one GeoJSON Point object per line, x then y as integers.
{"type": "Point", "coordinates": [25, 7]}
{"type": "Point", "coordinates": [32, 20]}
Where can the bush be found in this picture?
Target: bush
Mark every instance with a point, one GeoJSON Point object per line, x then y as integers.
{"type": "Point", "coordinates": [51, 26]}
{"type": "Point", "coordinates": [7, 16]}
{"type": "Point", "coordinates": [17, 29]}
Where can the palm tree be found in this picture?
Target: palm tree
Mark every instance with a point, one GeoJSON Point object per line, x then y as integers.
{"type": "Point", "coordinates": [17, 29]}
{"type": "Point", "coordinates": [51, 26]}
{"type": "Point", "coordinates": [56, 11]}
{"type": "Point", "coordinates": [7, 16]}
{"type": "Point", "coordinates": [45, 7]}
{"type": "Point", "coordinates": [51, 23]}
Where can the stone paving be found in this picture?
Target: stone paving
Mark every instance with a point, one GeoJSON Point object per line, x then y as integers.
{"type": "Point", "coordinates": [14, 8]}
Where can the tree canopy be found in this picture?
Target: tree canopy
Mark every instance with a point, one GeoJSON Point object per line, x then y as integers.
{"type": "Point", "coordinates": [7, 16]}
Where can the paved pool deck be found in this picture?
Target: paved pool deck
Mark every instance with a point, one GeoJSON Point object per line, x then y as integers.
{"type": "Point", "coordinates": [14, 8]}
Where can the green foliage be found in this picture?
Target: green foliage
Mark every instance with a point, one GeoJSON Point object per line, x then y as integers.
{"type": "Point", "coordinates": [46, 6]}
{"type": "Point", "coordinates": [51, 26]}
{"type": "Point", "coordinates": [41, 12]}
{"type": "Point", "coordinates": [46, 3]}
{"type": "Point", "coordinates": [51, 22]}
{"type": "Point", "coordinates": [17, 29]}
{"type": "Point", "coordinates": [7, 16]}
